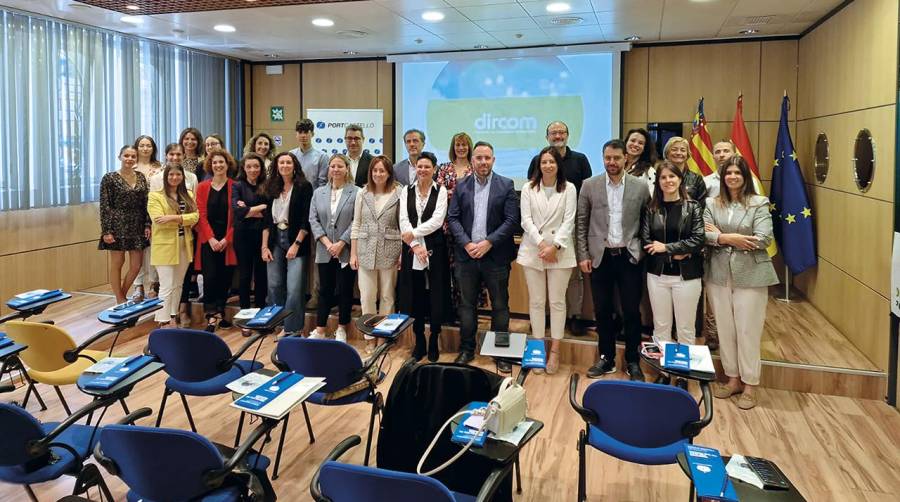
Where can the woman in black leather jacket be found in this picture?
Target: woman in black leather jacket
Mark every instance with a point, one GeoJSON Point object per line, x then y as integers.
{"type": "Point", "coordinates": [673, 237]}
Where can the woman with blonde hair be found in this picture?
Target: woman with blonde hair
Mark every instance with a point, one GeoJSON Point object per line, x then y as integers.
{"type": "Point", "coordinates": [678, 152]}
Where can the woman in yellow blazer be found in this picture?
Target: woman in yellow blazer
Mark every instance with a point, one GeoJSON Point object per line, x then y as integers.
{"type": "Point", "coordinates": [173, 212]}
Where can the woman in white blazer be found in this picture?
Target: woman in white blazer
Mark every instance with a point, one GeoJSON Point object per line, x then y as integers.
{"type": "Point", "coordinates": [547, 252]}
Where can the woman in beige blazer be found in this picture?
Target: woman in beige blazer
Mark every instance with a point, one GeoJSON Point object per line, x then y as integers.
{"type": "Point", "coordinates": [547, 252]}
{"type": "Point", "coordinates": [738, 273]}
{"type": "Point", "coordinates": [173, 212]}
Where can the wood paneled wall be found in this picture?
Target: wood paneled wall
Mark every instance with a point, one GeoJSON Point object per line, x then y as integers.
{"type": "Point", "coordinates": [50, 248]}
{"type": "Point", "coordinates": [301, 86]}
{"type": "Point", "coordinates": [847, 82]}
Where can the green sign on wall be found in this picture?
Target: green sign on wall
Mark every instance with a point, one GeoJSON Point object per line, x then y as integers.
{"type": "Point", "coordinates": [276, 114]}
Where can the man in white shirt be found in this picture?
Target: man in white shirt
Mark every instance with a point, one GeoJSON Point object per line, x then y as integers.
{"type": "Point", "coordinates": [405, 170]}
{"type": "Point", "coordinates": [359, 158]}
{"type": "Point", "coordinates": [723, 151]}
{"type": "Point", "coordinates": [313, 161]}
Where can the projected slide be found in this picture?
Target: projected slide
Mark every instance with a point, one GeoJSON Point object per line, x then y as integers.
{"type": "Point", "coordinates": [509, 102]}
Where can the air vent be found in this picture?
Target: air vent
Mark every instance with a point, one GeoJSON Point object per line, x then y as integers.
{"type": "Point", "coordinates": [566, 20]}
{"type": "Point", "coordinates": [351, 34]}
{"type": "Point", "coordinates": [757, 20]}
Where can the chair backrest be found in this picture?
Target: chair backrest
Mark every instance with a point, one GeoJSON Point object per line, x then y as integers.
{"type": "Point", "coordinates": [18, 429]}
{"type": "Point", "coordinates": [641, 414]}
{"type": "Point", "coordinates": [355, 483]}
{"type": "Point", "coordinates": [189, 355]}
{"type": "Point", "coordinates": [46, 344]}
{"type": "Point", "coordinates": [336, 361]}
{"type": "Point", "coordinates": [160, 464]}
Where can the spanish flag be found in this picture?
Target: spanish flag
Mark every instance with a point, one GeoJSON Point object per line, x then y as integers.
{"type": "Point", "coordinates": [701, 161]}
{"type": "Point", "coordinates": [744, 148]}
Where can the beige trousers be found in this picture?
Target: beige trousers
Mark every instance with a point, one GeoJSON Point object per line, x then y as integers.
{"type": "Point", "coordinates": [171, 279]}
{"type": "Point", "coordinates": [556, 281]}
{"type": "Point", "coordinates": [377, 285]}
{"type": "Point", "coordinates": [740, 315]}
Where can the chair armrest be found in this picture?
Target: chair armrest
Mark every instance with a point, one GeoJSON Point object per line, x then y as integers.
{"type": "Point", "coordinates": [492, 483]}
{"type": "Point", "coordinates": [278, 362]}
{"type": "Point", "coordinates": [588, 415]}
{"type": "Point", "coordinates": [692, 429]}
{"type": "Point", "coordinates": [135, 415]}
{"type": "Point", "coordinates": [214, 478]}
{"type": "Point", "coordinates": [70, 356]}
{"type": "Point", "coordinates": [336, 453]}
{"type": "Point", "coordinates": [378, 354]}
{"type": "Point", "coordinates": [36, 448]}
{"type": "Point", "coordinates": [7, 387]}
{"type": "Point", "coordinates": [227, 363]}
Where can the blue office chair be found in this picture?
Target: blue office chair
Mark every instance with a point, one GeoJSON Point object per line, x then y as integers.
{"type": "Point", "coordinates": [341, 366]}
{"type": "Point", "coordinates": [198, 363]}
{"type": "Point", "coordinates": [32, 452]}
{"type": "Point", "coordinates": [159, 464]}
{"type": "Point", "coordinates": [639, 422]}
{"type": "Point", "coordinates": [339, 482]}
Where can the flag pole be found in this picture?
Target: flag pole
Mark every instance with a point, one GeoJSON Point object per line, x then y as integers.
{"type": "Point", "coordinates": [787, 286]}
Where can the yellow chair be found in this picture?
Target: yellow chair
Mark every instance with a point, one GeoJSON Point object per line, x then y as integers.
{"type": "Point", "coordinates": [45, 358]}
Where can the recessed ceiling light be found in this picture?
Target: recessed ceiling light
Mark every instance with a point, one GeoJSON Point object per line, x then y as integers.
{"type": "Point", "coordinates": [350, 53]}
{"type": "Point", "coordinates": [225, 28]}
{"type": "Point", "coordinates": [132, 7]}
{"type": "Point", "coordinates": [272, 56]}
{"type": "Point", "coordinates": [323, 22]}
{"type": "Point", "coordinates": [749, 31]}
{"type": "Point", "coordinates": [132, 19]}
{"type": "Point", "coordinates": [558, 7]}
{"type": "Point", "coordinates": [632, 38]}
{"type": "Point", "coordinates": [566, 20]}
{"type": "Point", "coordinates": [480, 46]}
{"type": "Point", "coordinates": [433, 16]}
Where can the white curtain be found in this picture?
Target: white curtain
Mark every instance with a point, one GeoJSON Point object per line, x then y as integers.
{"type": "Point", "coordinates": [71, 96]}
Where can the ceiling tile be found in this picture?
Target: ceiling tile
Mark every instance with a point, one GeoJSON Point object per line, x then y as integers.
{"type": "Point", "coordinates": [443, 28]}
{"type": "Point", "coordinates": [408, 5]}
{"type": "Point", "coordinates": [770, 7]}
{"type": "Point", "coordinates": [451, 15]}
{"type": "Point", "coordinates": [540, 8]}
{"type": "Point", "coordinates": [495, 11]}
{"type": "Point", "coordinates": [467, 40]}
{"type": "Point", "coordinates": [519, 23]}
{"type": "Point", "coordinates": [471, 3]}
{"type": "Point", "coordinates": [587, 19]}
{"type": "Point", "coordinates": [576, 34]}
{"type": "Point", "coordinates": [618, 32]}
{"type": "Point", "coordinates": [522, 38]}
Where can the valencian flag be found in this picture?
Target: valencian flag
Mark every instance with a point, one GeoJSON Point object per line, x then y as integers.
{"type": "Point", "coordinates": [744, 148]}
{"type": "Point", "coordinates": [791, 212]}
{"type": "Point", "coordinates": [701, 161]}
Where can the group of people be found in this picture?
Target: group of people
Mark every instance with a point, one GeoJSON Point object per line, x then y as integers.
{"type": "Point", "coordinates": [426, 238]}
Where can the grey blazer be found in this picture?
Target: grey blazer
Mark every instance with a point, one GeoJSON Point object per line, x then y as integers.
{"type": "Point", "coordinates": [746, 269]}
{"type": "Point", "coordinates": [401, 172]}
{"type": "Point", "coordinates": [322, 225]}
{"type": "Point", "coordinates": [592, 219]}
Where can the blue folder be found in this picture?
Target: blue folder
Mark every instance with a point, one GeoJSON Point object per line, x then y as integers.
{"type": "Point", "coordinates": [32, 297]}
{"type": "Point", "coordinates": [129, 309]}
{"type": "Point", "coordinates": [264, 316]}
{"type": "Point", "coordinates": [535, 356]}
{"type": "Point", "coordinates": [462, 434]}
{"type": "Point", "coordinates": [398, 321]}
{"type": "Point", "coordinates": [267, 392]}
{"type": "Point", "coordinates": [677, 357]}
{"type": "Point", "coordinates": [116, 374]}
{"type": "Point", "coordinates": [709, 474]}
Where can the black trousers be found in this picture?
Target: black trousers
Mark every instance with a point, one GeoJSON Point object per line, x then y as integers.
{"type": "Point", "coordinates": [617, 271]}
{"type": "Point", "coordinates": [251, 267]}
{"type": "Point", "coordinates": [469, 276]}
{"type": "Point", "coordinates": [427, 303]}
{"type": "Point", "coordinates": [335, 288]}
{"type": "Point", "coordinates": [216, 280]}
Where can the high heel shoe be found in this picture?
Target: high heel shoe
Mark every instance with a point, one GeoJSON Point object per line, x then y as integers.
{"type": "Point", "coordinates": [212, 323]}
{"type": "Point", "coordinates": [553, 362]}
{"type": "Point", "coordinates": [434, 350]}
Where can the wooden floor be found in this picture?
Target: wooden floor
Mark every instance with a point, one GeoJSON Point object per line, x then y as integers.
{"type": "Point", "coordinates": [833, 448]}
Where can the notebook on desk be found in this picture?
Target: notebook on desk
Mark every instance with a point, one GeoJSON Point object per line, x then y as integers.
{"type": "Point", "coordinates": [276, 397]}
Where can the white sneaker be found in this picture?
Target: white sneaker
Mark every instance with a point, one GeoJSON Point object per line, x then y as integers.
{"type": "Point", "coordinates": [340, 335]}
{"type": "Point", "coordinates": [317, 335]}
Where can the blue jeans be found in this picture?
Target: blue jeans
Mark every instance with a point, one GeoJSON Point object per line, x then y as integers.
{"type": "Point", "coordinates": [287, 283]}
{"type": "Point", "coordinates": [470, 274]}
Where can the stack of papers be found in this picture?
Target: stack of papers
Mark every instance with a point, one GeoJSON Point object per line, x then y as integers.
{"type": "Point", "coordinates": [276, 396]}
{"type": "Point", "coordinates": [104, 365]}
{"type": "Point", "coordinates": [246, 313]}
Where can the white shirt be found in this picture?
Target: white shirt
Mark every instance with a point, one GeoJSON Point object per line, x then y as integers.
{"type": "Point", "coordinates": [430, 225]}
{"type": "Point", "coordinates": [335, 198]}
{"type": "Point", "coordinates": [190, 181]}
{"type": "Point", "coordinates": [712, 184]}
{"type": "Point", "coordinates": [280, 206]}
{"type": "Point", "coordinates": [615, 192]}
{"type": "Point", "coordinates": [354, 164]}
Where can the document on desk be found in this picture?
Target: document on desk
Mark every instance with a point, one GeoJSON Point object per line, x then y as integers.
{"type": "Point", "coordinates": [104, 365]}
{"type": "Point", "coordinates": [700, 357]}
{"type": "Point", "coordinates": [277, 396]}
{"type": "Point", "coordinates": [248, 382]}
{"type": "Point", "coordinates": [246, 314]}
{"type": "Point", "coordinates": [738, 468]}
{"type": "Point", "coordinates": [516, 435]}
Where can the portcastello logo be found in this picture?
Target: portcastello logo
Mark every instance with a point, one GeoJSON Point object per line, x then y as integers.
{"type": "Point", "coordinates": [342, 125]}
{"type": "Point", "coordinates": [320, 125]}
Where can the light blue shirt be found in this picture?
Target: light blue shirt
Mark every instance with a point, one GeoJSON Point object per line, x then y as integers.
{"type": "Point", "coordinates": [314, 163]}
{"type": "Point", "coordinates": [479, 221]}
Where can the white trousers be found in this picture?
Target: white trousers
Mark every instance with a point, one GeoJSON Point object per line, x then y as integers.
{"type": "Point", "coordinates": [377, 285]}
{"type": "Point", "coordinates": [171, 279]}
{"type": "Point", "coordinates": [740, 315]}
{"type": "Point", "coordinates": [668, 293]}
{"type": "Point", "coordinates": [148, 273]}
{"type": "Point", "coordinates": [540, 282]}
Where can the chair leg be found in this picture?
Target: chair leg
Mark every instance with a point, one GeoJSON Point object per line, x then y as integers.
{"type": "Point", "coordinates": [88, 478]}
{"type": "Point", "coordinates": [124, 406]}
{"type": "Point", "coordinates": [518, 470]}
{"type": "Point", "coordinates": [691, 493]}
{"type": "Point", "coordinates": [162, 406]}
{"type": "Point", "coordinates": [187, 410]}
{"type": "Point", "coordinates": [31, 495]}
{"type": "Point", "coordinates": [376, 409]}
{"type": "Point", "coordinates": [280, 447]}
{"type": "Point", "coordinates": [582, 482]}
{"type": "Point", "coordinates": [62, 400]}
{"type": "Point", "coordinates": [312, 438]}
{"type": "Point", "coordinates": [240, 428]}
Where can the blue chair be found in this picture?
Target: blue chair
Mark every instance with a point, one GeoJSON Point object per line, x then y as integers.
{"type": "Point", "coordinates": [32, 452]}
{"type": "Point", "coordinates": [638, 422]}
{"type": "Point", "coordinates": [341, 366]}
{"type": "Point", "coordinates": [339, 482]}
{"type": "Point", "coordinates": [159, 464]}
{"type": "Point", "coordinates": [198, 363]}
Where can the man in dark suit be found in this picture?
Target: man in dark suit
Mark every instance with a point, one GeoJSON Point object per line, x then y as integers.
{"type": "Point", "coordinates": [359, 158]}
{"type": "Point", "coordinates": [483, 214]}
{"type": "Point", "coordinates": [609, 249]}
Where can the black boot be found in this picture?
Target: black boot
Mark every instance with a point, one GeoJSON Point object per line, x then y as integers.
{"type": "Point", "coordinates": [419, 350]}
{"type": "Point", "coordinates": [434, 350]}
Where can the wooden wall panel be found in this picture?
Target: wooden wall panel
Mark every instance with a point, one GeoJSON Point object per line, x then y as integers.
{"type": "Point", "coordinates": [48, 227]}
{"type": "Point", "coordinates": [850, 61]}
{"type": "Point", "coordinates": [778, 73]}
{"type": "Point", "coordinates": [635, 85]}
{"type": "Point", "coordinates": [277, 90]}
{"type": "Point", "coordinates": [385, 92]}
{"type": "Point", "coordinates": [351, 84]}
{"type": "Point", "coordinates": [680, 75]}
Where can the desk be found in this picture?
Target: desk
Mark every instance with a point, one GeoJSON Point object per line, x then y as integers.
{"type": "Point", "coordinates": [700, 376]}
{"type": "Point", "coordinates": [749, 493]}
{"type": "Point", "coordinates": [516, 340]}
{"type": "Point", "coordinates": [118, 325]}
{"type": "Point", "coordinates": [370, 330]}
{"type": "Point", "coordinates": [32, 309]}
{"type": "Point", "coordinates": [122, 389]}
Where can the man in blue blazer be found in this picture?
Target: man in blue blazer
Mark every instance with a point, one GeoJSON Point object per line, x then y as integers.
{"type": "Point", "coordinates": [483, 215]}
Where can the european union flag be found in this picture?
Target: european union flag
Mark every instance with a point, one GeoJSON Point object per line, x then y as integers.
{"type": "Point", "coordinates": [791, 211]}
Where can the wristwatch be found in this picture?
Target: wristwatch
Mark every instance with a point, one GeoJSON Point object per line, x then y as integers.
{"type": "Point", "coordinates": [299, 243]}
